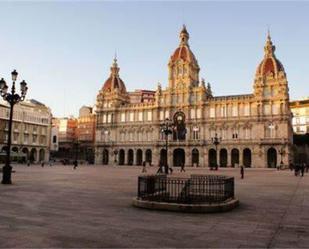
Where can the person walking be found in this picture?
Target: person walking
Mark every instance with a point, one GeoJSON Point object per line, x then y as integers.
{"type": "Point", "coordinates": [28, 163]}
{"type": "Point", "coordinates": [75, 163]}
{"type": "Point", "coordinates": [42, 164]}
{"type": "Point", "coordinates": [182, 169]}
{"type": "Point", "coordinates": [144, 167]}
{"type": "Point", "coordinates": [302, 169]}
{"type": "Point", "coordinates": [242, 172]}
{"type": "Point", "coordinates": [160, 168]}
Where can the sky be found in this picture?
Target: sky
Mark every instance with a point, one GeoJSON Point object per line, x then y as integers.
{"type": "Point", "coordinates": [64, 50]}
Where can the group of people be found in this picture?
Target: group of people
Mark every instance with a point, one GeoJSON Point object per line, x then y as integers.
{"type": "Point", "coordinates": [299, 169]}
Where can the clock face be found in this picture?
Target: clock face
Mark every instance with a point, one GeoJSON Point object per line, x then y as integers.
{"type": "Point", "coordinates": [179, 118]}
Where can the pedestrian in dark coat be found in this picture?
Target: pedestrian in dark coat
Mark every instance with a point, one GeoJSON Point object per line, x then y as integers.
{"type": "Point", "coordinates": [242, 172]}
{"type": "Point", "coordinates": [144, 167]}
{"type": "Point", "coordinates": [302, 169]}
{"type": "Point", "coordinates": [75, 163]}
{"type": "Point", "coordinates": [182, 169]}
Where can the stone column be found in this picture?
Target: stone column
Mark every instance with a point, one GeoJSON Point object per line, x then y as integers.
{"type": "Point", "coordinates": [241, 157]}
{"type": "Point", "coordinates": [170, 157]}
{"type": "Point", "coordinates": [155, 156]}
{"type": "Point", "coordinates": [134, 156]}
{"type": "Point", "coordinates": [229, 158]}
{"type": "Point", "coordinates": [201, 158]}
{"type": "Point", "coordinates": [188, 158]}
{"type": "Point", "coordinates": [205, 157]}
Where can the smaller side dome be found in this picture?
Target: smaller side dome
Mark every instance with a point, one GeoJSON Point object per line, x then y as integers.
{"type": "Point", "coordinates": [114, 82]}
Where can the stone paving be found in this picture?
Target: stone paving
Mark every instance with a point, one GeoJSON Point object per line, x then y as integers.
{"type": "Point", "coordinates": [91, 207]}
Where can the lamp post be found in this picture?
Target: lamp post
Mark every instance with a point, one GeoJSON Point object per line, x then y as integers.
{"type": "Point", "coordinates": [281, 152]}
{"type": "Point", "coordinates": [166, 129]}
{"type": "Point", "coordinates": [216, 141]}
{"type": "Point", "coordinates": [12, 98]}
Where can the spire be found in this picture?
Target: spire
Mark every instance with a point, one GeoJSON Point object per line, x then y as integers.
{"type": "Point", "coordinates": [269, 48]}
{"type": "Point", "coordinates": [115, 68]}
{"type": "Point", "coordinates": [184, 36]}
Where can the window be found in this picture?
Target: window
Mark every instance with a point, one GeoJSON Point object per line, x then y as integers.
{"type": "Point", "coordinates": [167, 114]}
{"type": "Point", "coordinates": [123, 117]}
{"type": "Point", "coordinates": [266, 109]}
{"type": "Point", "coordinates": [212, 112]}
{"type": "Point", "coordinates": [247, 110]}
{"type": "Point", "coordinates": [104, 118]}
{"type": "Point", "coordinates": [109, 118]}
{"type": "Point", "coordinates": [54, 139]}
{"type": "Point", "coordinates": [161, 115]}
{"type": "Point", "coordinates": [235, 111]}
{"type": "Point", "coordinates": [198, 113]}
{"type": "Point", "coordinates": [192, 113]}
{"type": "Point", "coordinates": [140, 116]}
{"type": "Point", "coordinates": [34, 139]}
{"type": "Point", "coordinates": [223, 111]}
{"type": "Point", "coordinates": [195, 133]}
{"type": "Point", "coordinates": [131, 116]}
{"type": "Point", "coordinates": [275, 109]}
{"type": "Point", "coordinates": [149, 116]}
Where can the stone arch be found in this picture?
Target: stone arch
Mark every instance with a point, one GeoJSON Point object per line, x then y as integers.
{"type": "Point", "coordinates": [247, 157]}
{"type": "Point", "coordinates": [33, 155]}
{"type": "Point", "coordinates": [179, 157]}
{"type": "Point", "coordinates": [148, 156]}
{"type": "Point", "coordinates": [105, 157]}
{"type": "Point", "coordinates": [15, 149]}
{"type": "Point", "coordinates": [130, 157]}
{"type": "Point", "coordinates": [139, 157]}
{"type": "Point", "coordinates": [121, 157]}
{"type": "Point", "coordinates": [26, 152]}
{"type": "Point", "coordinates": [223, 158]}
{"type": "Point", "coordinates": [42, 155]}
{"type": "Point", "coordinates": [271, 158]}
{"type": "Point", "coordinates": [212, 158]}
{"type": "Point", "coordinates": [234, 157]}
{"type": "Point", "coordinates": [195, 157]}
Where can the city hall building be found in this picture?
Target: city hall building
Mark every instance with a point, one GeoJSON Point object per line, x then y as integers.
{"type": "Point", "coordinates": [253, 130]}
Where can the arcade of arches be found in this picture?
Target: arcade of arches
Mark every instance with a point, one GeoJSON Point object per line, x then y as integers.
{"type": "Point", "coordinates": [24, 154]}
{"type": "Point", "coordinates": [224, 157]}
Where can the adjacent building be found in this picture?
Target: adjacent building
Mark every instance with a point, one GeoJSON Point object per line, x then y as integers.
{"type": "Point", "coordinates": [30, 131]}
{"type": "Point", "coordinates": [85, 133]}
{"type": "Point", "coordinates": [300, 120]}
{"type": "Point", "coordinates": [254, 129]}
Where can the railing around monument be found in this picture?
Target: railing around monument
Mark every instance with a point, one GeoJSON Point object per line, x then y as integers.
{"type": "Point", "coordinates": [196, 189]}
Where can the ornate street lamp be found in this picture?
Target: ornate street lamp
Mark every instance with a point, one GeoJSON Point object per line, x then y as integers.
{"type": "Point", "coordinates": [166, 129]}
{"type": "Point", "coordinates": [12, 98]}
{"type": "Point", "coordinates": [281, 152]}
{"type": "Point", "coordinates": [216, 141]}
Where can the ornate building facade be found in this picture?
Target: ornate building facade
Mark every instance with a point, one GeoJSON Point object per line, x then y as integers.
{"type": "Point", "coordinates": [252, 128]}
{"type": "Point", "coordinates": [30, 131]}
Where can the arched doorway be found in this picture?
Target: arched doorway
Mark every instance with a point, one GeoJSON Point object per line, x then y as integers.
{"type": "Point", "coordinates": [42, 155]}
{"type": "Point", "coordinates": [15, 149]}
{"type": "Point", "coordinates": [130, 157]}
{"type": "Point", "coordinates": [179, 133]}
{"type": "Point", "coordinates": [33, 155]}
{"type": "Point", "coordinates": [179, 157]}
{"type": "Point", "coordinates": [272, 158]}
{"type": "Point", "coordinates": [105, 157]}
{"type": "Point", "coordinates": [247, 158]}
{"type": "Point", "coordinates": [148, 156]}
{"type": "Point", "coordinates": [26, 153]}
{"type": "Point", "coordinates": [212, 158]}
{"type": "Point", "coordinates": [223, 158]}
{"type": "Point", "coordinates": [195, 157]}
{"type": "Point", "coordinates": [163, 157]}
{"type": "Point", "coordinates": [235, 157]}
{"type": "Point", "coordinates": [121, 157]}
{"type": "Point", "coordinates": [139, 157]}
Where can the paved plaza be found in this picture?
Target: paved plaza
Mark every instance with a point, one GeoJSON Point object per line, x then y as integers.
{"type": "Point", "coordinates": [91, 207]}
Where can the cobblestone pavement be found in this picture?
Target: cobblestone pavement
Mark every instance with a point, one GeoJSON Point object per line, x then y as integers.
{"type": "Point", "coordinates": [91, 207]}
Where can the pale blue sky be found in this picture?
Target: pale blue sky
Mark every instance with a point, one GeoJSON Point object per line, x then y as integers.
{"type": "Point", "coordinates": [64, 49]}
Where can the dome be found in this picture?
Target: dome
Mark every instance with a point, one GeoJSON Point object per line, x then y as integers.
{"type": "Point", "coordinates": [270, 64]}
{"type": "Point", "coordinates": [183, 52]}
{"type": "Point", "coordinates": [114, 82]}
